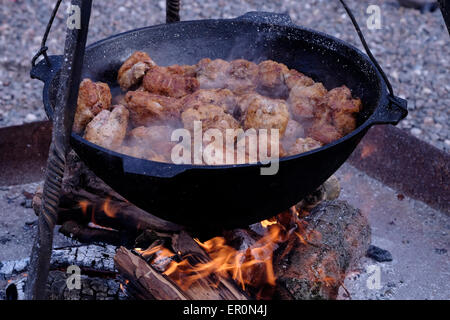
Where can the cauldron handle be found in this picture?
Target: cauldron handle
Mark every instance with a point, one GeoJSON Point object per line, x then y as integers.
{"type": "Point", "coordinates": [397, 108]}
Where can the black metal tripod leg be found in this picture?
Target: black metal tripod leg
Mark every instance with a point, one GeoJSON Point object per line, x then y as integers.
{"type": "Point", "coordinates": [65, 105]}
{"type": "Point", "coordinates": [445, 9]}
{"type": "Point", "coordinates": [43, 244]}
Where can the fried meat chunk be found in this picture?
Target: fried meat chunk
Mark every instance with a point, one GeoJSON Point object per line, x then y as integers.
{"type": "Point", "coordinates": [93, 97]}
{"type": "Point", "coordinates": [134, 69]}
{"type": "Point", "coordinates": [343, 109]}
{"type": "Point", "coordinates": [212, 74]}
{"type": "Point", "coordinates": [238, 75]}
{"type": "Point", "coordinates": [302, 145]}
{"type": "Point", "coordinates": [155, 138]}
{"type": "Point", "coordinates": [335, 116]}
{"type": "Point", "coordinates": [264, 113]}
{"type": "Point", "coordinates": [294, 130]}
{"type": "Point", "coordinates": [219, 97]}
{"type": "Point", "coordinates": [304, 99]}
{"type": "Point", "coordinates": [242, 76]}
{"type": "Point", "coordinates": [324, 132]}
{"type": "Point", "coordinates": [293, 78]}
{"type": "Point", "coordinates": [174, 81]}
{"type": "Point", "coordinates": [142, 153]}
{"type": "Point", "coordinates": [148, 109]}
{"type": "Point", "coordinates": [258, 147]}
{"type": "Point", "coordinates": [108, 128]}
{"type": "Point", "coordinates": [271, 79]}
{"type": "Point", "coordinates": [211, 116]}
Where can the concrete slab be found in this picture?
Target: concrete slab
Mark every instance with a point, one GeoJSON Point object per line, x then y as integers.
{"type": "Point", "coordinates": [416, 235]}
{"type": "Point", "coordinates": [18, 224]}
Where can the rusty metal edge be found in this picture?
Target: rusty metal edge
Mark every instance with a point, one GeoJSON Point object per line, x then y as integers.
{"type": "Point", "coordinates": [24, 152]}
{"type": "Point", "coordinates": [405, 163]}
{"type": "Point", "coordinates": [390, 155]}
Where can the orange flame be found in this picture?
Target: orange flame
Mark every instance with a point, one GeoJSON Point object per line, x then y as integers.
{"type": "Point", "coordinates": [84, 206]}
{"type": "Point", "coordinates": [250, 267]}
{"type": "Point", "coordinates": [108, 209]}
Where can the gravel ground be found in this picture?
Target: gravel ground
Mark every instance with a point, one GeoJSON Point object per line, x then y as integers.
{"type": "Point", "coordinates": [413, 48]}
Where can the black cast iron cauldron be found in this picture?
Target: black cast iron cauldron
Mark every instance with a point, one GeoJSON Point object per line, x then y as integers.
{"type": "Point", "coordinates": [229, 195]}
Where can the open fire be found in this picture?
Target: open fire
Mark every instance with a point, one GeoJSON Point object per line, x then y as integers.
{"type": "Point", "coordinates": [250, 267]}
{"type": "Point", "coordinates": [294, 255]}
{"type": "Point", "coordinates": [302, 253]}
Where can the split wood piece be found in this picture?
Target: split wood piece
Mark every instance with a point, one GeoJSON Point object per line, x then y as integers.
{"type": "Point", "coordinates": [145, 282]}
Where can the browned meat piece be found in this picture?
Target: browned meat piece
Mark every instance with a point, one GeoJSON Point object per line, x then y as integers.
{"type": "Point", "coordinates": [134, 69]}
{"type": "Point", "coordinates": [212, 74]}
{"type": "Point", "coordinates": [242, 76]}
{"type": "Point", "coordinates": [244, 102]}
{"type": "Point", "coordinates": [253, 147]}
{"type": "Point", "coordinates": [156, 138]}
{"type": "Point", "coordinates": [271, 79]}
{"type": "Point", "coordinates": [211, 116]}
{"type": "Point", "coordinates": [302, 145]}
{"type": "Point", "coordinates": [174, 81]}
{"type": "Point", "coordinates": [324, 132]}
{"type": "Point", "coordinates": [142, 153]}
{"type": "Point", "coordinates": [108, 128]}
{"type": "Point", "coordinates": [294, 130]}
{"type": "Point", "coordinates": [264, 113]}
{"type": "Point", "coordinates": [93, 97]}
{"type": "Point", "coordinates": [335, 116]}
{"type": "Point", "coordinates": [219, 97]}
{"type": "Point", "coordinates": [148, 109]}
{"type": "Point", "coordinates": [186, 70]}
{"type": "Point", "coordinates": [343, 109]}
{"type": "Point", "coordinates": [303, 100]}
{"type": "Point", "coordinates": [293, 78]}
{"type": "Point", "coordinates": [238, 75]}
{"type": "Point", "coordinates": [218, 154]}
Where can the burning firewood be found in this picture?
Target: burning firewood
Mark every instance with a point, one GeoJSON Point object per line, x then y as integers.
{"type": "Point", "coordinates": [297, 257]}
{"type": "Point", "coordinates": [315, 269]}
{"type": "Point", "coordinates": [145, 281]}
